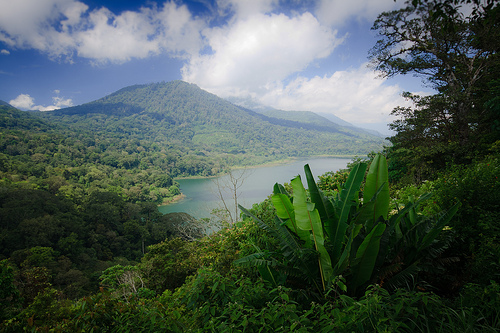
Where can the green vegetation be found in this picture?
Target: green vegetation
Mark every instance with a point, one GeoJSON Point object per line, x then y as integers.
{"type": "Point", "coordinates": [406, 240]}
{"type": "Point", "coordinates": [324, 239]}
{"type": "Point", "coordinates": [182, 116]}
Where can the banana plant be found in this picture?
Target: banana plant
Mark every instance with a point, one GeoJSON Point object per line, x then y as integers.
{"type": "Point", "coordinates": [349, 236]}
{"type": "Point", "coordinates": [412, 246]}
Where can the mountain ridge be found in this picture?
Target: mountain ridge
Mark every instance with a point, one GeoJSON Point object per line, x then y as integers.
{"type": "Point", "coordinates": [181, 112]}
{"type": "Point", "coordinates": [324, 118]}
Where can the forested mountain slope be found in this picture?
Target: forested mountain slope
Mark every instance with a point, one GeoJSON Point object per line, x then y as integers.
{"type": "Point", "coordinates": [319, 118]}
{"type": "Point", "coordinates": [326, 122]}
{"type": "Point", "coordinates": [181, 113]}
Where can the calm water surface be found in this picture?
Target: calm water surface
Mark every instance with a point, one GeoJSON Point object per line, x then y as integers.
{"type": "Point", "coordinates": [201, 194]}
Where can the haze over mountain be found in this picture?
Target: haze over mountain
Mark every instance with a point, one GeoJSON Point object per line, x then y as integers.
{"type": "Point", "coordinates": [305, 116]}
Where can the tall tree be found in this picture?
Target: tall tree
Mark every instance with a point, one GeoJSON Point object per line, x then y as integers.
{"type": "Point", "coordinates": [457, 55]}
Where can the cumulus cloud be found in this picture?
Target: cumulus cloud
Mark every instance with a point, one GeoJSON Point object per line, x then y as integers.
{"type": "Point", "coordinates": [23, 101]}
{"type": "Point", "coordinates": [26, 102]}
{"type": "Point", "coordinates": [62, 28]}
{"type": "Point", "coordinates": [247, 55]}
{"type": "Point", "coordinates": [357, 95]}
{"type": "Point", "coordinates": [44, 25]}
{"type": "Point", "coordinates": [4, 52]}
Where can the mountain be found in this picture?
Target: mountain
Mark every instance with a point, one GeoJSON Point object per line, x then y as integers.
{"type": "Point", "coordinates": [181, 114]}
{"type": "Point", "coordinates": [307, 117]}
{"type": "Point", "coordinates": [250, 103]}
{"type": "Point", "coordinates": [3, 103]}
{"type": "Point", "coordinates": [13, 118]}
{"type": "Point", "coordinates": [335, 119]}
{"type": "Point", "coordinates": [303, 116]}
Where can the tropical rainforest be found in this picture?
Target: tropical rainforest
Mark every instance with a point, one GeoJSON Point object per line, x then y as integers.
{"type": "Point", "coordinates": [406, 239]}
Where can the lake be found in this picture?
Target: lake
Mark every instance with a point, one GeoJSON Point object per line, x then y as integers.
{"type": "Point", "coordinates": [256, 185]}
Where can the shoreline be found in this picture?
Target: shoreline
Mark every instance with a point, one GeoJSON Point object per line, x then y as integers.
{"type": "Point", "coordinates": [174, 199]}
{"type": "Point", "coordinates": [269, 164]}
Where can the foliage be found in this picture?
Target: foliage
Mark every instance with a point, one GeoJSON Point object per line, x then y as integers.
{"type": "Point", "coordinates": [166, 265]}
{"type": "Point", "coordinates": [332, 181]}
{"type": "Point", "coordinates": [9, 294]}
{"type": "Point", "coordinates": [124, 281]}
{"type": "Point", "coordinates": [376, 311]}
{"type": "Point", "coordinates": [409, 192]}
{"type": "Point", "coordinates": [208, 293]}
{"type": "Point", "coordinates": [457, 55]}
{"type": "Point", "coordinates": [79, 190]}
{"type": "Point", "coordinates": [477, 227]}
{"type": "Point", "coordinates": [324, 238]}
{"type": "Point", "coordinates": [40, 229]}
{"type": "Point", "coordinates": [98, 313]}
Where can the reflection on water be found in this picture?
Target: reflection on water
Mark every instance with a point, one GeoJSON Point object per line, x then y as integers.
{"type": "Point", "coordinates": [201, 194]}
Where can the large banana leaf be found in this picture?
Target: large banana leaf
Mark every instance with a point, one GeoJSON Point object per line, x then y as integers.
{"type": "Point", "coordinates": [307, 218]}
{"type": "Point", "coordinates": [347, 196]}
{"type": "Point", "coordinates": [376, 185]}
{"type": "Point", "coordinates": [366, 256]}
{"type": "Point", "coordinates": [284, 210]}
{"type": "Point", "coordinates": [335, 230]}
{"type": "Point", "coordinates": [322, 204]}
{"type": "Point", "coordinates": [343, 261]}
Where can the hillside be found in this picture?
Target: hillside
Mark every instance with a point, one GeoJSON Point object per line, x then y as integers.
{"type": "Point", "coordinates": [181, 113]}
{"type": "Point", "coordinates": [60, 170]}
{"type": "Point", "coordinates": [320, 118]}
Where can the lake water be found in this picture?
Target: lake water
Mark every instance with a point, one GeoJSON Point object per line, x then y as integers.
{"type": "Point", "coordinates": [257, 184]}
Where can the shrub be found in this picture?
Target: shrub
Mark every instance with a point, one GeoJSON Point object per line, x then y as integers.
{"type": "Point", "coordinates": [477, 225]}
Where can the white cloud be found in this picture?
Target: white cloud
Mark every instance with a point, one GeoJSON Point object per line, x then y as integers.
{"type": "Point", "coordinates": [179, 31]}
{"type": "Point", "coordinates": [65, 27]}
{"type": "Point", "coordinates": [4, 52]}
{"type": "Point", "coordinates": [247, 55]}
{"type": "Point", "coordinates": [357, 96]}
{"type": "Point", "coordinates": [26, 102]}
{"type": "Point", "coordinates": [43, 24]}
{"type": "Point", "coordinates": [128, 35]}
{"type": "Point", "coordinates": [339, 12]}
{"type": "Point", "coordinates": [23, 101]}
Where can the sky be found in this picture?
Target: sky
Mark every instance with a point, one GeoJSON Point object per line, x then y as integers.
{"type": "Point", "coordinates": [304, 55]}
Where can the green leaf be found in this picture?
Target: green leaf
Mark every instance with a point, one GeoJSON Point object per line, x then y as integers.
{"type": "Point", "coordinates": [377, 184]}
{"type": "Point", "coordinates": [315, 194]}
{"type": "Point", "coordinates": [307, 218]}
{"type": "Point", "coordinates": [284, 210]}
{"type": "Point", "coordinates": [343, 261]}
{"type": "Point", "coordinates": [278, 188]}
{"type": "Point", "coordinates": [347, 197]}
{"type": "Point", "coordinates": [366, 256]}
{"type": "Point", "coordinates": [333, 228]}
{"type": "Point", "coordinates": [302, 218]}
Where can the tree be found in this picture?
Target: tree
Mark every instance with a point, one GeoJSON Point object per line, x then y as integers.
{"type": "Point", "coordinates": [9, 294]}
{"type": "Point", "coordinates": [455, 54]}
{"type": "Point", "coordinates": [231, 184]}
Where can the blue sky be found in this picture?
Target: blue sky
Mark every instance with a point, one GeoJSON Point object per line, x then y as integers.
{"type": "Point", "coordinates": [291, 55]}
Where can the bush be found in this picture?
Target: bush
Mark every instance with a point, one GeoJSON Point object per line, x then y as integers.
{"type": "Point", "coordinates": [477, 223]}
